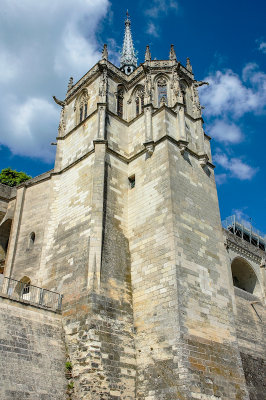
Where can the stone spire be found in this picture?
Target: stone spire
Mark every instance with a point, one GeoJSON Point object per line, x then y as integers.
{"type": "Point", "coordinates": [189, 66]}
{"type": "Point", "coordinates": [147, 54]}
{"type": "Point", "coordinates": [172, 55]}
{"type": "Point", "coordinates": [70, 83]}
{"type": "Point", "coordinates": [128, 59]}
{"type": "Point", "coordinates": [105, 53]}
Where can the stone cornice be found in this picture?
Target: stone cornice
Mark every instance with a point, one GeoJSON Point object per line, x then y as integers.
{"type": "Point", "coordinates": [242, 247]}
{"type": "Point", "coordinates": [127, 160]}
{"type": "Point", "coordinates": [127, 80]}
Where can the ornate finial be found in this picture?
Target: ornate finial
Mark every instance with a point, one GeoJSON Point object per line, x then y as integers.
{"type": "Point", "coordinates": [172, 55]}
{"type": "Point", "coordinates": [105, 52]}
{"type": "Point", "coordinates": [147, 54]}
{"type": "Point", "coordinates": [189, 66]}
{"type": "Point", "coordinates": [70, 83]}
{"type": "Point", "coordinates": [128, 59]}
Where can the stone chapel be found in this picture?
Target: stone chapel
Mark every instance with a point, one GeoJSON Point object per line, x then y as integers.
{"type": "Point", "coordinates": [117, 279]}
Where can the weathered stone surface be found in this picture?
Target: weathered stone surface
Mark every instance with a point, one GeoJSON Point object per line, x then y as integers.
{"type": "Point", "coordinates": [149, 309]}
{"type": "Point", "coordinates": [32, 353]}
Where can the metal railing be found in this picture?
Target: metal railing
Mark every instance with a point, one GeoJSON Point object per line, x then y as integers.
{"type": "Point", "coordinates": [22, 291]}
{"type": "Point", "coordinates": [245, 230]}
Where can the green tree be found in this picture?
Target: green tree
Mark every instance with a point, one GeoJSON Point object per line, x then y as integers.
{"type": "Point", "coordinates": [11, 177]}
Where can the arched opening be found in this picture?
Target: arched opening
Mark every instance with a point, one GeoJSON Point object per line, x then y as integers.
{"type": "Point", "coordinates": [162, 91]}
{"type": "Point", "coordinates": [120, 101]}
{"type": "Point", "coordinates": [5, 230]}
{"type": "Point", "coordinates": [244, 276]}
{"type": "Point", "coordinates": [81, 106]}
{"type": "Point", "coordinates": [184, 91]}
{"type": "Point", "coordinates": [31, 240]}
{"type": "Point", "coordinates": [23, 288]}
{"type": "Point", "coordinates": [139, 99]}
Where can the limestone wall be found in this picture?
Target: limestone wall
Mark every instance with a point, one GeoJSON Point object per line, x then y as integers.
{"type": "Point", "coordinates": [78, 143]}
{"type": "Point", "coordinates": [31, 216]}
{"type": "Point", "coordinates": [183, 315]}
{"type": "Point", "coordinates": [63, 264]}
{"type": "Point", "coordinates": [32, 353]}
{"type": "Point", "coordinates": [205, 305]}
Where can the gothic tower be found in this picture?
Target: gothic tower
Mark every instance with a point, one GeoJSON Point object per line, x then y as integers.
{"type": "Point", "coordinates": [127, 228]}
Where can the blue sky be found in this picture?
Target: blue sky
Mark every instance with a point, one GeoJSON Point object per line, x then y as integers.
{"type": "Point", "coordinates": [43, 43]}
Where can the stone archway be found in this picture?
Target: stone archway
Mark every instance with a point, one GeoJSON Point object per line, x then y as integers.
{"type": "Point", "coordinates": [244, 276]}
{"type": "Point", "coordinates": [5, 230]}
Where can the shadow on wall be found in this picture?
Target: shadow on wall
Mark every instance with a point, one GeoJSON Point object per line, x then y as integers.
{"type": "Point", "coordinates": [5, 230]}
{"type": "Point", "coordinates": [244, 276]}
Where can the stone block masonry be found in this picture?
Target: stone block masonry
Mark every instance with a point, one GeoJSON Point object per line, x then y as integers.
{"type": "Point", "coordinates": [127, 228]}
{"type": "Point", "coordinates": [32, 353]}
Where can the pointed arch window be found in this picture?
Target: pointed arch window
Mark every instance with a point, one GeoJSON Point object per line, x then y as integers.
{"type": "Point", "coordinates": [81, 106]}
{"type": "Point", "coordinates": [120, 102]}
{"type": "Point", "coordinates": [162, 91]}
{"type": "Point", "coordinates": [139, 101]}
{"type": "Point", "coordinates": [80, 114]}
{"type": "Point", "coordinates": [184, 89]}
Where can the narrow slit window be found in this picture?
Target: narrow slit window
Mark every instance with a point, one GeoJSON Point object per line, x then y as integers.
{"type": "Point", "coordinates": [142, 102]}
{"type": "Point", "coordinates": [85, 111]}
{"type": "Point", "coordinates": [120, 103]}
{"type": "Point", "coordinates": [31, 240]}
{"type": "Point", "coordinates": [80, 114]}
{"type": "Point", "coordinates": [132, 181]}
{"type": "Point", "coordinates": [137, 105]}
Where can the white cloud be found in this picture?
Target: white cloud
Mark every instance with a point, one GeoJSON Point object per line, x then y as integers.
{"type": "Point", "coordinates": [220, 178]}
{"type": "Point", "coordinates": [262, 47]}
{"type": "Point", "coordinates": [241, 216]}
{"type": "Point", "coordinates": [225, 132]}
{"type": "Point", "coordinates": [153, 30]}
{"type": "Point", "coordinates": [160, 8]}
{"type": "Point", "coordinates": [237, 168]}
{"type": "Point", "coordinates": [229, 94]}
{"type": "Point", "coordinates": [42, 45]}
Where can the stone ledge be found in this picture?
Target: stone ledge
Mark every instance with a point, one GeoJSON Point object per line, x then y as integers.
{"type": "Point", "coordinates": [27, 304]}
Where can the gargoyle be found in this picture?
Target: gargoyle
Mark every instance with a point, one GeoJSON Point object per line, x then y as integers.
{"type": "Point", "coordinates": [200, 83]}
{"type": "Point", "coordinates": [59, 102]}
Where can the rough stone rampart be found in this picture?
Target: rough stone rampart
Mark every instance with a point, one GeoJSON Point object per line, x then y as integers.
{"type": "Point", "coordinates": [32, 353]}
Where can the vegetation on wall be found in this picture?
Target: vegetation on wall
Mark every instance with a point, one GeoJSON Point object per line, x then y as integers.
{"type": "Point", "coordinates": [11, 177]}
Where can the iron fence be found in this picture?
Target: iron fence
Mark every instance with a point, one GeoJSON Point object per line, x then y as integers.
{"type": "Point", "coordinates": [33, 294]}
{"type": "Point", "coordinates": [245, 230]}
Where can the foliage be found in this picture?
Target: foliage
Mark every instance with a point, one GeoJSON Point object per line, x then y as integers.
{"type": "Point", "coordinates": [11, 177]}
{"type": "Point", "coordinates": [68, 366]}
{"type": "Point", "coordinates": [71, 385]}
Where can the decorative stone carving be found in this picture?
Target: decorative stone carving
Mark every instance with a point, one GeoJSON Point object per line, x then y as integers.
{"type": "Point", "coordinates": [147, 54]}
{"type": "Point", "coordinates": [70, 83]}
{"type": "Point", "coordinates": [189, 66]}
{"type": "Point", "coordinates": [172, 55]}
{"type": "Point", "coordinates": [81, 99]}
{"type": "Point", "coordinates": [163, 101]}
{"type": "Point", "coordinates": [85, 78]}
{"type": "Point", "coordinates": [148, 88]}
{"type": "Point", "coordinates": [177, 95]}
{"type": "Point", "coordinates": [59, 102]}
{"type": "Point", "coordinates": [149, 146]}
{"type": "Point", "coordinates": [242, 247]}
{"type": "Point", "coordinates": [263, 263]}
{"type": "Point", "coordinates": [62, 125]}
{"type": "Point", "coordinates": [103, 85]}
{"type": "Point", "coordinates": [196, 102]}
{"type": "Point", "coordinates": [105, 52]}
{"type": "Point", "coordinates": [204, 160]}
{"type": "Point", "coordinates": [182, 146]}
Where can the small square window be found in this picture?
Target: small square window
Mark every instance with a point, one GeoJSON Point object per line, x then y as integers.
{"type": "Point", "coordinates": [132, 181]}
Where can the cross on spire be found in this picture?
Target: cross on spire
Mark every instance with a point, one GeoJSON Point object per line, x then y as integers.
{"type": "Point", "coordinates": [128, 59]}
